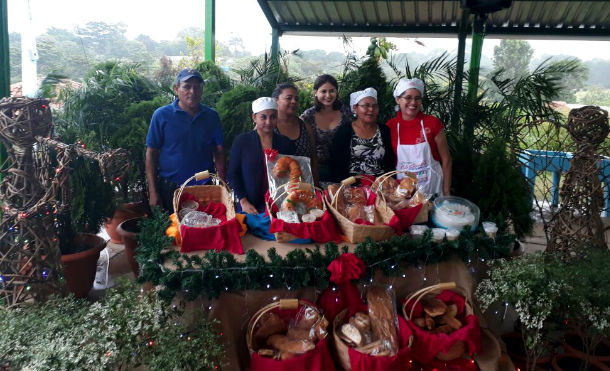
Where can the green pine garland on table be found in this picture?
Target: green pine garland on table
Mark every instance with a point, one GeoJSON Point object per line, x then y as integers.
{"type": "Point", "coordinates": [218, 272]}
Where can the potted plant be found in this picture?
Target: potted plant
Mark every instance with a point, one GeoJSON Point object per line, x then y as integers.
{"type": "Point", "coordinates": [91, 203]}
{"type": "Point", "coordinates": [529, 285]}
{"type": "Point", "coordinates": [124, 330]}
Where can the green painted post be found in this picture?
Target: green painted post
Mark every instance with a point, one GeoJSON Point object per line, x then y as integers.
{"type": "Point", "coordinates": [457, 97]}
{"type": "Point", "coordinates": [478, 34]}
{"type": "Point", "coordinates": [275, 45]}
{"type": "Point", "coordinates": [5, 67]}
{"type": "Point", "coordinates": [209, 43]}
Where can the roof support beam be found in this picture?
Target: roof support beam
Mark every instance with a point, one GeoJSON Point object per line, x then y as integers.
{"type": "Point", "coordinates": [209, 43]}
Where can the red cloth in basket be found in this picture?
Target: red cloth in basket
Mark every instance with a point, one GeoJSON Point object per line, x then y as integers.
{"type": "Point", "coordinates": [398, 362]}
{"type": "Point", "coordinates": [427, 345]}
{"type": "Point", "coordinates": [224, 236]}
{"type": "Point", "coordinates": [407, 216]}
{"type": "Point", "coordinates": [322, 230]}
{"type": "Point", "coordinates": [318, 359]}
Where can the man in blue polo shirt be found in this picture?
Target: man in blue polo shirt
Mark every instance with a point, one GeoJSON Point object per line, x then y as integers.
{"type": "Point", "coordinates": [184, 137]}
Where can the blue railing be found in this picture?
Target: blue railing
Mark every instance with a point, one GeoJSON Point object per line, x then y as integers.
{"type": "Point", "coordinates": [534, 161]}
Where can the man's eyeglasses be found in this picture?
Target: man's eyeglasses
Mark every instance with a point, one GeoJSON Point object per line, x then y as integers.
{"type": "Point", "coordinates": [409, 98]}
{"type": "Point", "coordinates": [368, 106]}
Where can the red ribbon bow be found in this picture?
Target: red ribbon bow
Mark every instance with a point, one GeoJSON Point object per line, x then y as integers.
{"type": "Point", "coordinates": [271, 154]}
{"type": "Point", "coordinates": [345, 268]}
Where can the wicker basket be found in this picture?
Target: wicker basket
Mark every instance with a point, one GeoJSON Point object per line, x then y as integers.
{"type": "Point", "coordinates": [342, 349]}
{"type": "Point", "coordinates": [281, 304]}
{"type": "Point", "coordinates": [212, 193]}
{"type": "Point", "coordinates": [285, 236]}
{"type": "Point", "coordinates": [422, 216]}
{"type": "Point", "coordinates": [459, 348]}
{"type": "Point", "coordinates": [356, 233]}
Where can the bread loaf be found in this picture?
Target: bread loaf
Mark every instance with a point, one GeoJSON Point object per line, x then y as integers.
{"type": "Point", "coordinates": [286, 345]}
{"type": "Point", "coordinates": [433, 306]}
{"type": "Point", "coordinates": [352, 335]}
{"type": "Point", "coordinates": [383, 317]}
{"type": "Point", "coordinates": [271, 324]}
{"type": "Point", "coordinates": [363, 323]}
{"type": "Point", "coordinates": [297, 333]}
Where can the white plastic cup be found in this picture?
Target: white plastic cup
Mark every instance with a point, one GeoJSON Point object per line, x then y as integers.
{"type": "Point", "coordinates": [452, 234]}
{"type": "Point", "coordinates": [417, 231]}
{"type": "Point", "coordinates": [490, 228]}
{"type": "Point", "coordinates": [438, 234]}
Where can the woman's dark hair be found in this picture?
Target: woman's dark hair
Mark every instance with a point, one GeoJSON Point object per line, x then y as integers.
{"type": "Point", "coordinates": [321, 80]}
{"type": "Point", "coordinates": [279, 89]}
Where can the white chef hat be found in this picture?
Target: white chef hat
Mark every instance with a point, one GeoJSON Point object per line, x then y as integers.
{"type": "Point", "coordinates": [357, 96]}
{"type": "Point", "coordinates": [263, 103]}
{"type": "Point", "coordinates": [406, 84]}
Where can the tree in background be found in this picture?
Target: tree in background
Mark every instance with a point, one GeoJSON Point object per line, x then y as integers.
{"type": "Point", "coordinates": [512, 57]}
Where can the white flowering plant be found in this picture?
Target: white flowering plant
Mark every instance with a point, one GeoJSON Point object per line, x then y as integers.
{"type": "Point", "coordinates": [529, 284]}
{"type": "Point", "coordinates": [587, 306]}
{"type": "Point", "coordinates": [124, 330]}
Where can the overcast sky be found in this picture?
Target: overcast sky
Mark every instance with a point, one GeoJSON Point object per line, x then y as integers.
{"type": "Point", "coordinates": [162, 20]}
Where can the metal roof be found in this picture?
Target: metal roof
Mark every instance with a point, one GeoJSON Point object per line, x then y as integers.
{"type": "Point", "coordinates": [535, 19]}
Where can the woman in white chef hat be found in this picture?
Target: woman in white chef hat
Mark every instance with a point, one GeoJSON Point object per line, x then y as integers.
{"type": "Point", "coordinates": [362, 147]}
{"type": "Point", "coordinates": [247, 172]}
{"type": "Point", "coordinates": [419, 140]}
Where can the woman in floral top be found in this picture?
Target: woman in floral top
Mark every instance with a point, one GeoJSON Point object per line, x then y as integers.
{"type": "Point", "coordinates": [325, 117]}
{"type": "Point", "coordinates": [362, 148]}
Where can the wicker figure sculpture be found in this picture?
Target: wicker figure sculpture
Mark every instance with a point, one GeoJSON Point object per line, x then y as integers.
{"type": "Point", "coordinates": [578, 224]}
{"type": "Point", "coordinates": [35, 196]}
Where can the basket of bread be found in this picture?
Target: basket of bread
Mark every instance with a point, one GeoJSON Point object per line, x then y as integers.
{"type": "Point", "coordinates": [206, 216]}
{"type": "Point", "coordinates": [443, 323]}
{"type": "Point", "coordinates": [375, 340]}
{"type": "Point", "coordinates": [288, 334]}
{"type": "Point", "coordinates": [360, 213]}
{"type": "Point", "coordinates": [302, 214]}
{"type": "Point", "coordinates": [403, 196]}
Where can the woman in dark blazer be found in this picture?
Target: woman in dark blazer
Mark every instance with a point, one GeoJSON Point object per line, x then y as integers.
{"type": "Point", "coordinates": [363, 147]}
{"type": "Point", "coordinates": [247, 172]}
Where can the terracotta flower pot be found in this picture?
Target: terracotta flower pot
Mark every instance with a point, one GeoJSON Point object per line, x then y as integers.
{"type": "Point", "coordinates": [128, 231]}
{"type": "Point", "coordinates": [574, 362]}
{"type": "Point", "coordinates": [122, 213]}
{"type": "Point", "coordinates": [79, 268]}
{"type": "Point", "coordinates": [516, 352]}
{"type": "Point", "coordinates": [572, 343]}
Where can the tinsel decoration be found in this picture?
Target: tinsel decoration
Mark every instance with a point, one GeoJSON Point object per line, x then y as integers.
{"type": "Point", "coordinates": [218, 272]}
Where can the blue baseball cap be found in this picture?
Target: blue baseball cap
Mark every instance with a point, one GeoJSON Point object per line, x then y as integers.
{"type": "Point", "coordinates": [188, 73]}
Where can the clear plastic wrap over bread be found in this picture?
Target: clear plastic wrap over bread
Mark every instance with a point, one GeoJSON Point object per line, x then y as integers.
{"type": "Point", "coordinates": [400, 195]}
{"type": "Point", "coordinates": [384, 322]}
{"type": "Point", "coordinates": [274, 338]}
{"type": "Point", "coordinates": [282, 169]}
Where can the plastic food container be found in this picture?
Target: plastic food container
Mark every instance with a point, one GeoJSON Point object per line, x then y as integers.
{"type": "Point", "coordinates": [452, 212]}
{"type": "Point", "coordinates": [417, 231]}
{"type": "Point", "coordinates": [438, 234]}
{"type": "Point", "coordinates": [452, 234]}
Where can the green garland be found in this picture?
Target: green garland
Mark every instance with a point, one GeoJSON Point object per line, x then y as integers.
{"type": "Point", "coordinates": [218, 272]}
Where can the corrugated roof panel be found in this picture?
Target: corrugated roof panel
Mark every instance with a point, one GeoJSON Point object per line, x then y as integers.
{"type": "Point", "coordinates": [589, 18]}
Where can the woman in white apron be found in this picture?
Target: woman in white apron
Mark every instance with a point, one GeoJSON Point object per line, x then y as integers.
{"type": "Point", "coordinates": [419, 140]}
